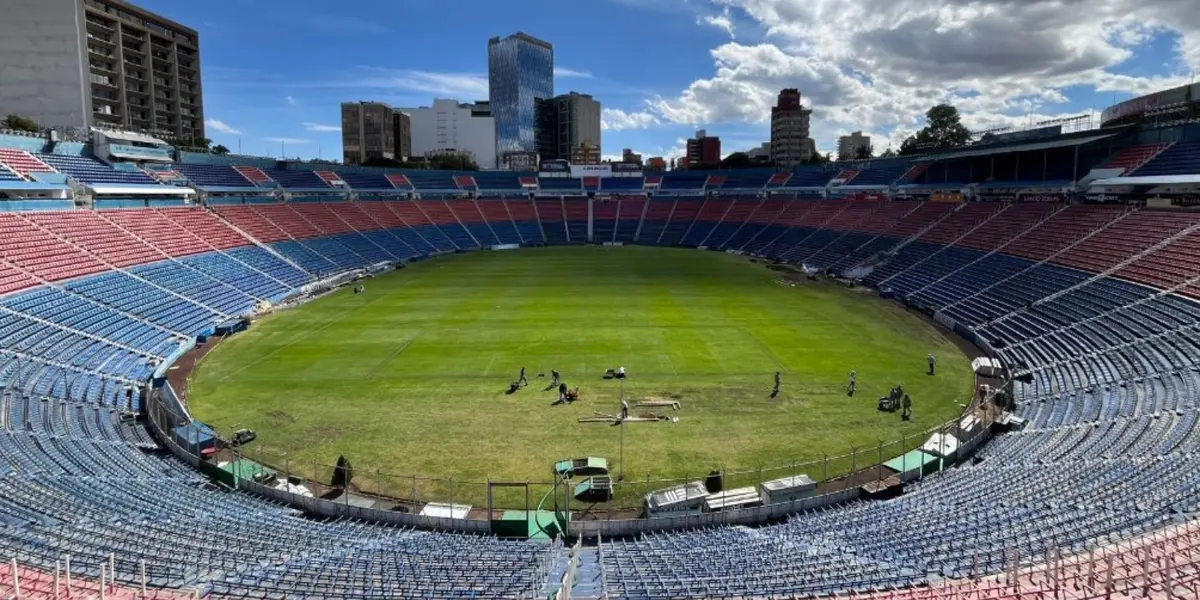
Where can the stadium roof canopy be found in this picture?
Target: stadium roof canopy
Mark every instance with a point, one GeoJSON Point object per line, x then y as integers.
{"type": "Point", "coordinates": [1150, 180]}
{"type": "Point", "coordinates": [143, 190]}
{"type": "Point", "coordinates": [1034, 147]}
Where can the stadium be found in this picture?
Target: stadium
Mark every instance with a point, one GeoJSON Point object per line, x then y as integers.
{"type": "Point", "coordinates": [233, 376]}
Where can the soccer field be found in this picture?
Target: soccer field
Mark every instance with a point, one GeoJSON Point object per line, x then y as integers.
{"type": "Point", "coordinates": [410, 378]}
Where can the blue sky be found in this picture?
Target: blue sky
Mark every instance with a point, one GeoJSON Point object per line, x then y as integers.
{"type": "Point", "coordinates": [276, 71]}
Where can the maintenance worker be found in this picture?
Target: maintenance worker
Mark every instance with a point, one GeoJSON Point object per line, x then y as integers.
{"type": "Point", "coordinates": [850, 389]}
{"type": "Point", "coordinates": [554, 376]}
{"type": "Point", "coordinates": [620, 372]}
{"type": "Point", "coordinates": [775, 391]}
{"type": "Point", "coordinates": [562, 392]}
{"type": "Point", "coordinates": [932, 360]}
{"type": "Point", "coordinates": [522, 381]}
{"type": "Point", "coordinates": [624, 409]}
{"type": "Point", "coordinates": [907, 406]}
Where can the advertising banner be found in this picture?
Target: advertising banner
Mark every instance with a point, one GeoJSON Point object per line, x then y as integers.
{"type": "Point", "coordinates": [591, 170]}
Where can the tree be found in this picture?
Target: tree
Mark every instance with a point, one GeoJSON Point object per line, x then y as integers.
{"type": "Point", "coordinates": [378, 161]}
{"type": "Point", "coordinates": [198, 142]}
{"type": "Point", "coordinates": [889, 153]}
{"type": "Point", "coordinates": [737, 160]}
{"type": "Point", "coordinates": [20, 123]}
{"type": "Point", "coordinates": [220, 149]}
{"type": "Point", "coordinates": [819, 159]}
{"type": "Point", "coordinates": [864, 152]}
{"type": "Point", "coordinates": [453, 162]}
{"type": "Point", "coordinates": [943, 131]}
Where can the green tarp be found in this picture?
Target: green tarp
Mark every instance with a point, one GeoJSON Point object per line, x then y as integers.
{"type": "Point", "coordinates": [913, 461]}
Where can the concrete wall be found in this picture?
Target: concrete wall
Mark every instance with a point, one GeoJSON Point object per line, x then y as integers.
{"type": "Point", "coordinates": [43, 63]}
{"type": "Point", "coordinates": [446, 125]}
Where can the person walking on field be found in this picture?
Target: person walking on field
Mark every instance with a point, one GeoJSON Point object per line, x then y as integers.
{"type": "Point", "coordinates": [522, 381]}
{"type": "Point", "coordinates": [554, 377]}
{"type": "Point", "coordinates": [932, 360]}
{"type": "Point", "coordinates": [775, 391]}
{"type": "Point", "coordinates": [850, 389]}
{"type": "Point", "coordinates": [907, 406]}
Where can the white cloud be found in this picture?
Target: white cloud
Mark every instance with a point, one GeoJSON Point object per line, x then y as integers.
{"type": "Point", "coordinates": [875, 66]}
{"type": "Point", "coordinates": [221, 126]}
{"type": "Point", "coordinates": [615, 119]}
{"type": "Point", "coordinates": [321, 127]}
{"type": "Point", "coordinates": [291, 101]}
{"type": "Point", "coordinates": [462, 86]}
{"type": "Point", "coordinates": [285, 140]}
{"type": "Point", "coordinates": [721, 21]}
{"type": "Point", "coordinates": [564, 72]}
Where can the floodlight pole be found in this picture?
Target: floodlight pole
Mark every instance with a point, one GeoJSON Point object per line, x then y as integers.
{"type": "Point", "coordinates": [621, 474]}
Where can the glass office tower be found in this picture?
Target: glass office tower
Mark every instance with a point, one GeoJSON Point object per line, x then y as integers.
{"type": "Point", "coordinates": [520, 70]}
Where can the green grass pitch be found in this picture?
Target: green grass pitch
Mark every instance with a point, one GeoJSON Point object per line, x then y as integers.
{"type": "Point", "coordinates": [410, 378]}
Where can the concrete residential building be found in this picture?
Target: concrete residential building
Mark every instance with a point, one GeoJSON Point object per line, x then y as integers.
{"type": "Point", "coordinates": [567, 126]}
{"type": "Point", "coordinates": [402, 135]}
{"type": "Point", "coordinates": [849, 145]}
{"type": "Point", "coordinates": [585, 154]}
{"type": "Point", "coordinates": [100, 63]}
{"type": "Point", "coordinates": [760, 154]}
{"type": "Point", "coordinates": [703, 149]}
{"type": "Point", "coordinates": [628, 156]}
{"type": "Point", "coordinates": [520, 70]}
{"type": "Point", "coordinates": [790, 141]}
{"type": "Point", "coordinates": [368, 131]}
{"type": "Point", "coordinates": [449, 125]}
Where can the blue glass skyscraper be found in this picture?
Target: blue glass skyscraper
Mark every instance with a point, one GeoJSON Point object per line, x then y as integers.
{"type": "Point", "coordinates": [520, 70]}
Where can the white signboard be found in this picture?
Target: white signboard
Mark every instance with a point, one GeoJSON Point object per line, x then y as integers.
{"type": "Point", "coordinates": [591, 170]}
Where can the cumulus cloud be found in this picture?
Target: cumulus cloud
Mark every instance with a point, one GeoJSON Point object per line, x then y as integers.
{"type": "Point", "coordinates": [875, 66]}
{"type": "Point", "coordinates": [615, 119]}
{"type": "Point", "coordinates": [221, 126]}
{"type": "Point", "coordinates": [321, 127]}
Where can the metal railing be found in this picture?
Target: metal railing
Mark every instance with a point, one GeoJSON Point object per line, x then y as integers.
{"type": "Point", "coordinates": [400, 498]}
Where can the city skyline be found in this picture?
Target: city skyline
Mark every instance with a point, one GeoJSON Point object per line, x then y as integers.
{"type": "Point", "coordinates": [678, 68]}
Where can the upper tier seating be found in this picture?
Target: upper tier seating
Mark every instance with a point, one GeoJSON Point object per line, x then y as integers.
{"type": "Point", "coordinates": [90, 170]}
{"type": "Point", "coordinates": [498, 181]}
{"type": "Point", "coordinates": [367, 181]}
{"type": "Point", "coordinates": [23, 162]}
{"type": "Point", "coordinates": [1132, 157]}
{"type": "Point", "coordinates": [213, 176]}
{"type": "Point", "coordinates": [1182, 158]}
{"type": "Point", "coordinates": [297, 180]}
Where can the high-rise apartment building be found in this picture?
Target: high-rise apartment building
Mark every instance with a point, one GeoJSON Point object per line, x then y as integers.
{"type": "Point", "coordinates": [703, 150]}
{"type": "Point", "coordinates": [402, 135]}
{"type": "Point", "coordinates": [368, 132]}
{"type": "Point", "coordinates": [852, 146]}
{"type": "Point", "coordinates": [520, 70]}
{"type": "Point", "coordinates": [567, 127]}
{"type": "Point", "coordinates": [101, 63]}
{"type": "Point", "coordinates": [450, 126]}
{"type": "Point", "coordinates": [790, 141]}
